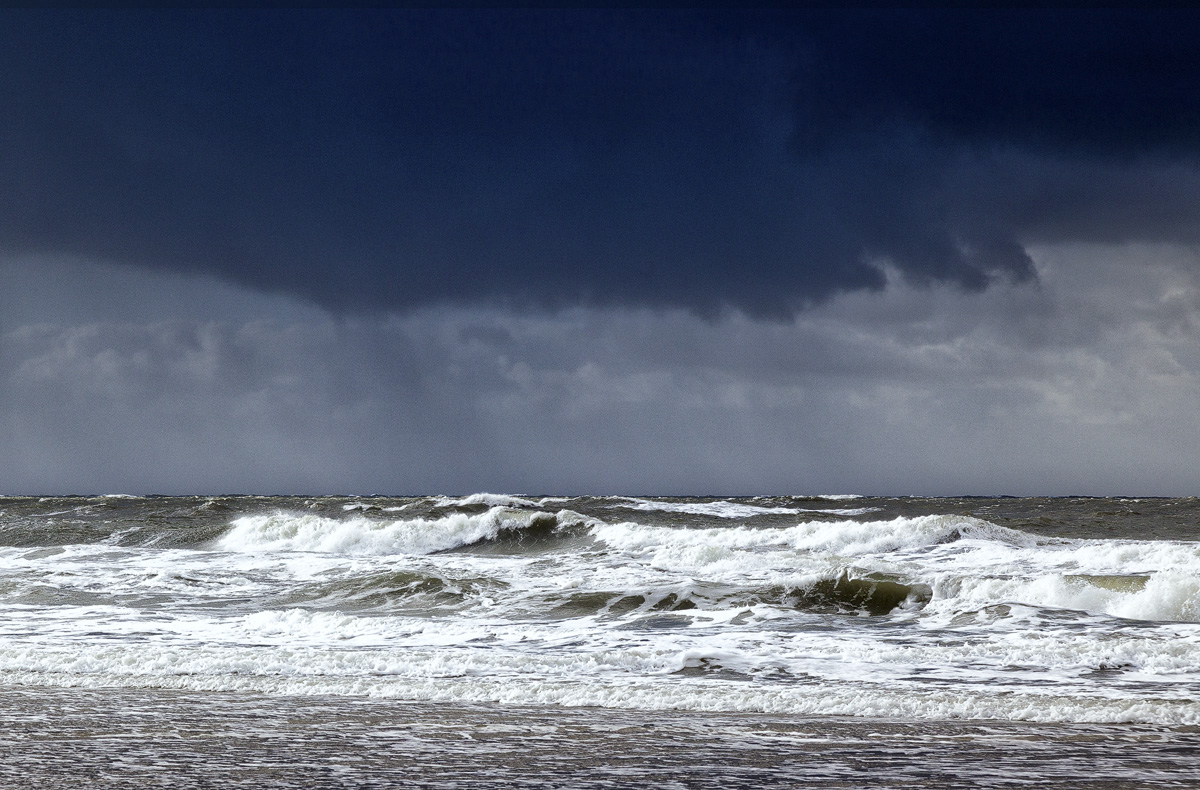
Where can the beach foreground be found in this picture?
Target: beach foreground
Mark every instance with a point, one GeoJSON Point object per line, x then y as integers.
{"type": "Point", "coordinates": [823, 641]}
{"type": "Point", "coordinates": [118, 738]}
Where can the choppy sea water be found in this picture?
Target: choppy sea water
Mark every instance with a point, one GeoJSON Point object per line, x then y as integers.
{"type": "Point", "coordinates": [999, 641]}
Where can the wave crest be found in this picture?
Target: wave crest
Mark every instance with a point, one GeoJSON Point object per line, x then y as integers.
{"type": "Point", "coordinates": [842, 538]}
{"type": "Point", "coordinates": [306, 532]}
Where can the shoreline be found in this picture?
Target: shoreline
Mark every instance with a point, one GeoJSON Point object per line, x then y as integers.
{"type": "Point", "coordinates": [56, 737]}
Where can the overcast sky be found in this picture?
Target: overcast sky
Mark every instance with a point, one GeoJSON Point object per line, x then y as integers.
{"type": "Point", "coordinates": [541, 251]}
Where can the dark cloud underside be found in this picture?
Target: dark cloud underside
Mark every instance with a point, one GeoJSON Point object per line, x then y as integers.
{"type": "Point", "coordinates": [761, 160]}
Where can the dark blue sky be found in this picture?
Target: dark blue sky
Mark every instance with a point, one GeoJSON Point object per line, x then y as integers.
{"type": "Point", "coordinates": [893, 251]}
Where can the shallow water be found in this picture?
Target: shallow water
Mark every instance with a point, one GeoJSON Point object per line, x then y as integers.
{"type": "Point", "coordinates": [763, 631]}
{"type": "Point", "coordinates": [134, 738]}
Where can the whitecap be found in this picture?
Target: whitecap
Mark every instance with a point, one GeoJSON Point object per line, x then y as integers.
{"type": "Point", "coordinates": [281, 531]}
{"type": "Point", "coordinates": [725, 509]}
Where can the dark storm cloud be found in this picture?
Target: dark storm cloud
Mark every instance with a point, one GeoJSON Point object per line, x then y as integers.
{"type": "Point", "coordinates": [1095, 81]}
{"type": "Point", "coordinates": [760, 160]}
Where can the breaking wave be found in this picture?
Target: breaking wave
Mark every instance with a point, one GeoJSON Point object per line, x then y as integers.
{"type": "Point", "coordinates": [644, 603]}
{"type": "Point", "coordinates": [828, 537]}
{"type": "Point", "coordinates": [307, 532]}
{"type": "Point", "coordinates": [726, 509]}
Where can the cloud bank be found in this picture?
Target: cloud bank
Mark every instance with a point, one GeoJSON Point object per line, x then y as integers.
{"type": "Point", "coordinates": [539, 250]}
{"type": "Point", "coordinates": [759, 161]}
{"type": "Point", "coordinates": [1083, 381]}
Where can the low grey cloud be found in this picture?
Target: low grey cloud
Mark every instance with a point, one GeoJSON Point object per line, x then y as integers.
{"type": "Point", "coordinates": [1081, 381]}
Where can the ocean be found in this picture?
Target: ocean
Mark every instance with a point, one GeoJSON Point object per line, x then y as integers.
{"type": "Point", "coordinates": [494, 640]}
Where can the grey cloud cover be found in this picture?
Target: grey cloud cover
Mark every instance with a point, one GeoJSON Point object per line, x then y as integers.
{"type": "Point", "coordinates": [1082, 382]}
{"type": "Point", "coordinates": [610, 251]}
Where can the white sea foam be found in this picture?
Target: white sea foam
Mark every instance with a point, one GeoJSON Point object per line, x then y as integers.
{"type": "Point", "coordinates": [829, 537]}
{"type": "Point", "coordinates": [638, 614]}
{"type": "Point", "coordinates": [494, 500]}
{"type": "Point", "coordinates": [282, 531]}
{"type": "Point", "coordinates": [968, 563]}
{"type": "Point", "coordinates": [726, 509]}
{"type": "Point", "coordinates": [624, 679]}
{"type": "Point", "coordinates": [1165, 596]}
{"type": "Point", "coordinates": [846, 511]}
{"type": "Point", "coordinates": [720, 508]}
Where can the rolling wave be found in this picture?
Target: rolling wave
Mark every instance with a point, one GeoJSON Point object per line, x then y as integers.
{"type": "Point", "coordinates": [704, 604]}
{"type": "Point", "coordinates": [282, 531]}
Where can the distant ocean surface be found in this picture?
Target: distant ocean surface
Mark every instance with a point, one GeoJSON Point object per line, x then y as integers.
{"type": "Point", "coordinates": [790, 641]}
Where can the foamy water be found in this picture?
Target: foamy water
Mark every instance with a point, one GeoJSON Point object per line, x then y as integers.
{"type": "Point", "coordinates": [897, 609]}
